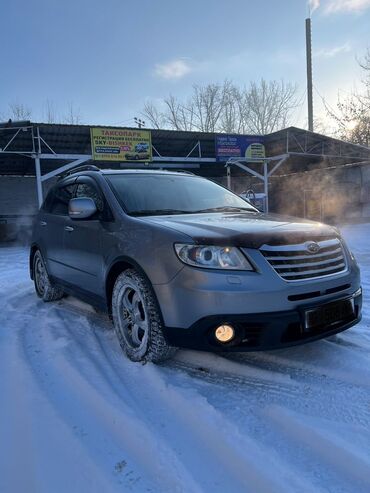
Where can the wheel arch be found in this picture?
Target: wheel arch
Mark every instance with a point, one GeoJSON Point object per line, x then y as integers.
{"type": "Point", "coordinates": [118, 266]}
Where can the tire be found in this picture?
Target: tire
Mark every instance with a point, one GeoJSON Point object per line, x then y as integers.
{"type": "Point", "coordinates": [44, 288]}
{"type": "Point", "coordinates": [137, 319]}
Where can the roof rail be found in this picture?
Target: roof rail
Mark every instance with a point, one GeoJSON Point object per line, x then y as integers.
{"type": "Point", "coordinates": [187, 172]}
{"type": "Point", "coordinates": [86, 167]}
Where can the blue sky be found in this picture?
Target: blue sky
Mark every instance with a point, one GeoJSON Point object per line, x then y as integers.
{"type": "Point", "coordinates": [108, 57]}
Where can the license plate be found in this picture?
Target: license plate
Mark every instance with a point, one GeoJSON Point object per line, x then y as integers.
{"type": "Point", "coordinates": [329, 314]}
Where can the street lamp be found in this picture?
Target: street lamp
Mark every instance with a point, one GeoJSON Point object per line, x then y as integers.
{"type": "Point", "coordinates": [139, 123]}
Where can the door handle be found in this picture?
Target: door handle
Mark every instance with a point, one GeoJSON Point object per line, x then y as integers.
{"type": "Point", "coordinates": [43, 223]}
{"type": "Point", "coordinates": [68, 228]}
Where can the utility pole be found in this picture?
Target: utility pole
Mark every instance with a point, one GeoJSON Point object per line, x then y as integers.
{"type": "Point", "coordinates": [309, 74]}
{"type": "Point", "coordinates": [139, 123]}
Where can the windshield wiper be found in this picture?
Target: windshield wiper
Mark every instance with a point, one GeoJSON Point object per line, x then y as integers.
{"type": "Point", "coordinates": [158, 212]}
{"type": "Point", "coordinates": [226, 208]}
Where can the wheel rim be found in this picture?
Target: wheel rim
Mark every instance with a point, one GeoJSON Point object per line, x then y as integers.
{"type": "Point", "coordinates": [40, 275]}
{"type": "Point", "coordinates": [133, 319]}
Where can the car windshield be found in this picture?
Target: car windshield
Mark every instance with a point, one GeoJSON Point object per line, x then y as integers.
{"type": "Point", "coordinates": [150, 194]}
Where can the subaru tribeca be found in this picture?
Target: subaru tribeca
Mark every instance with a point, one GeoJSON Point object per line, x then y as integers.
{"type": "Point", "coordinates": [179, 261]}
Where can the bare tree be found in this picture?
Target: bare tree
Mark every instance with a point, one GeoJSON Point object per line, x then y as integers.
{"type": "Point", "coordinates": [234, 115]}
{"type": "Point", "coordinates": [178, 116]}
{"type": "Point", "coordinates": [365, 64]}
{"type": "Point", "coordinates": [209, 104]}
{"type": "Point", "coordinates": [49, 112]}
{"type": "Point", "coordinates": [19, 111]}
{"type": "Point", "coordinates": [322, 126]}
{"type": "Point", "coordinates": [352, 113]}
{"type": "Point", "coordinates": [260, 108]}
{"type": "Point", "coordinates": [154, 115]}
{"type": "Point", "coordinates": [73, 115]}
{"type": "Point", "coordinates": [352, 118]}
{"type": "Point", "coordinates": [269, 105]}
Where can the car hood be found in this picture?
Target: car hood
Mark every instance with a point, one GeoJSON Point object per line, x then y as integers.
{"type": "Point", "coordinates": [244, 228]}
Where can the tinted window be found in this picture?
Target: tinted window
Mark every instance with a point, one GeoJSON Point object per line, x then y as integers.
{"type": "Point", "coordinates": [46, 206]}
{"type": "Point", "coordinates": [60, 200]}
{"type": "Point", "coordinates": [143, 194]}
{"type": "Point", "coordinates": [87, 190]}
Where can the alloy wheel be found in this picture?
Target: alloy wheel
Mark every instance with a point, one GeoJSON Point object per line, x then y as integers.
{"type": "Point", "coordinates": [41, 277]}
{"type": "Point", "coordinates": [133, 323]}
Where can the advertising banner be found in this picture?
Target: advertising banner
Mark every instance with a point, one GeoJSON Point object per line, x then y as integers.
{"type": "Point", "coordinates": [120, 144]}
{"type": "Point", "coordinates": [244, 146]}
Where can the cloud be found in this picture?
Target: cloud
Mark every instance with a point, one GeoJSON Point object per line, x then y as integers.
{"type": "Point", "coordinates": [175, 69]}
{"type": "Point", "coordinates": [333, 6]}
{"type": "Point", "coordinates": [313, 5]}
{"type": "Point", "coordinates": [332, 52]}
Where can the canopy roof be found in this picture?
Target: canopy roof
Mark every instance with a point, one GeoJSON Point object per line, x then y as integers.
{"type": "Point", "coordinates": [306, 149]}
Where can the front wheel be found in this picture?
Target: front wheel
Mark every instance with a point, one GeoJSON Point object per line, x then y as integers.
{"type": "Point", "coordinates": [45, 289]}
{"type": "Point", "coordinates": [137, 319]}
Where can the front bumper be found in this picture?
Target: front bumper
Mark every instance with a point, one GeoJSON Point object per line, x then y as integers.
{"type": "Point", "coordinates": [260, 331]}
{"type": "Point", "coordinates": [194, 294]}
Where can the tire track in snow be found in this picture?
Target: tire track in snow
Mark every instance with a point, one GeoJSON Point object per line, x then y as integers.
{"type": "Point", "coordinates": [219, 448]}
{"type": "Point", "coordinates": [222, 442]}
{"type": "Point", "coordinates": [112, 419]}
{"type": "Point", "coordinates": [125, 377]}
{"type": "Point", "coordinates": [318, 359]}
{"type": "Point", "coordinates": [332, 449]}
{"type": "Point", "coordinates": [32, 457]}
{"type": "Point", "coordinates": [309, 405]}
{"type": "Point", "coordinates": [216, 369]}
{"type": "Point", "coordinates": [272, 372]}
{"type": "Point", "coordinates": [317, 396]}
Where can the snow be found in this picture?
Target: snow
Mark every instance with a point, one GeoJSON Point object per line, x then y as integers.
{"type": "Point", "coordinates": [76, 416]}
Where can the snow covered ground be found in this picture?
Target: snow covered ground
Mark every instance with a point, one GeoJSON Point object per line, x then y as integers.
{"type": "Point", "coordinates": [76, 416]}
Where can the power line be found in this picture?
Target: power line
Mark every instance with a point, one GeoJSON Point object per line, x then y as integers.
{"type": "Point", "coordinates": [327, 105]}
{"type": "Point", "coordinates": [123, 121]}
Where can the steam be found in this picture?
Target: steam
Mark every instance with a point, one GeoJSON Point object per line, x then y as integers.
{"type": "Point", "coordinates": [313, 5]}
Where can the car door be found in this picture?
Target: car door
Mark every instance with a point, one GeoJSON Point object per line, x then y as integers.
{"type": "Point", "coordinates": [52, 219]}
{"type": "Point", "coordinates": [83, 242]}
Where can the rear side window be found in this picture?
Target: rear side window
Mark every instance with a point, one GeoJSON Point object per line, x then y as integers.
{"type": "Point", "coordinates": [60, 199]}
{"type": "Point", "coordinates": [48, 202]}
{"type": "Point", "coordinates": [87, 190]}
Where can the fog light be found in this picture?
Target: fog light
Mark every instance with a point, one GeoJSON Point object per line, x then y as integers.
{"type": "Point", "coordinates": [224, 333]}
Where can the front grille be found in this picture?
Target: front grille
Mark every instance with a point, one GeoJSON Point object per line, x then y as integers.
{"type": "Point", "coordinates": [294, 262]}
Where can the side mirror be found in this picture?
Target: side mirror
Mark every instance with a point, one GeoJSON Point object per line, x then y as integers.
{"type": "Point", "coordinates": [81, 208]}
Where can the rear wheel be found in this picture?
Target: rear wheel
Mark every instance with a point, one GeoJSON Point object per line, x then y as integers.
{"type": "Point", "coordinates": [45, 289]}
{"type": "Point", "coordinates": [137, 319]}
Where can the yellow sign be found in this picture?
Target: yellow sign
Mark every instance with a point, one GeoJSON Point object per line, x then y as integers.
{"type": "Point", "coordinates": [255, 150]}
{"type": "Point", "coordinates": [121, 144]}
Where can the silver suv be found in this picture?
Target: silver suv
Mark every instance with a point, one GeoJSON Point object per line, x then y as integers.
{"type": "Point", "coordinates": [179, 261]}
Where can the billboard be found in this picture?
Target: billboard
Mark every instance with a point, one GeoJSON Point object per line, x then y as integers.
{"type": "Point", "coordinates": [244, 146]}
{"type": "Point", "coordinates": [120, 144]}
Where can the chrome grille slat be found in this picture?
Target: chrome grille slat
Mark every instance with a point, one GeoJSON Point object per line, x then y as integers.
{"type": "Point", "coordinates": [315, 272]}
{"type": "Point", "coordinates": [300, 246]}
{"type": "Point", "coordinates": [294, 262]}
{"type": "Point", "coordinates": [307, 264]}
{"type": "Point", "coordinates": [306, 256]}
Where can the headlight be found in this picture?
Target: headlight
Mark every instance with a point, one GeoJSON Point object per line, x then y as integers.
{"type": "Point", "coordinates": [212, 257]}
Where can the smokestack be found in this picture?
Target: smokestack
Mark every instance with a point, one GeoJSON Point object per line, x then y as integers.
{"type": "Point", "coordinates": [309, 74]}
